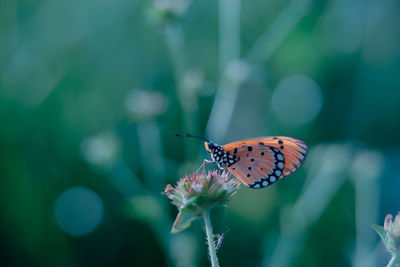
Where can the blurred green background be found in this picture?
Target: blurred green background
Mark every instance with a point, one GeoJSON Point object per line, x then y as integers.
{"type": "Point", "coordinates": [91, 93]}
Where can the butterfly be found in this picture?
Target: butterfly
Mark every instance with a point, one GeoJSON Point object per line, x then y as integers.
{"type": "Point", "coordinates": [258, 162]}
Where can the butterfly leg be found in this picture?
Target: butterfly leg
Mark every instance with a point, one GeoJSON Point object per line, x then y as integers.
{"type": "Point", "coordinates": [203, 165]}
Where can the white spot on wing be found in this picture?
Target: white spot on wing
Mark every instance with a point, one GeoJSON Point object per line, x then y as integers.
{"type": "Point", "coordinates": [280, 165]}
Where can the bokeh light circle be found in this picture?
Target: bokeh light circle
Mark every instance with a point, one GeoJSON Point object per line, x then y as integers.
{"type": "Point", "coordinates": [297, 99]}
{"type": "Point", "coordinates": [78, 211]}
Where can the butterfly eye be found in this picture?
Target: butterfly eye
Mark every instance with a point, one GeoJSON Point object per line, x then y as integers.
{"type": "Point", "coordinates": [209, 146]}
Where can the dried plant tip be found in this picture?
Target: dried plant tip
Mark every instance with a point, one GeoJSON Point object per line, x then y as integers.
{"type": "Point", "coordinates": [166, 11]}
{"type": "Point", "coordinates": [388, 221]}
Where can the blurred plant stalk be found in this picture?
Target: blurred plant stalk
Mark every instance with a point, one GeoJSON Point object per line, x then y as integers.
{"type": "Point", "coordinates": [366, 169]}
{"type": "Point", "coordinates": [328, 165]}
{"type": "Point", "coordinates": [229, 54]}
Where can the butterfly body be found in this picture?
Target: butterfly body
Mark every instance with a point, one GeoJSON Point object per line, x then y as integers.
{"type": "Point", "coordinates": [259, 162]}
{"type": "Point", "coordinates": [220, 156]}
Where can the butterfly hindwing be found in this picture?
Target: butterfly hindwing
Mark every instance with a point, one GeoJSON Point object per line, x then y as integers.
{"type": "Point", "coordinates": [262, 161]}
{"type": "Point", "coordinates": [258, 166]}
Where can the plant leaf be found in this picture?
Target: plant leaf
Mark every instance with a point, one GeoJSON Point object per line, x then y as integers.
{"type": "Point", "coordinates": [183, 220]}
{"type": "Point", "coordinates": [382, 234]}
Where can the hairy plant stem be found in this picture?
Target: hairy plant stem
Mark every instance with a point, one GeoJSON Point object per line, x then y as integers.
{"type": "Point", "coordinates": [394, 262]}
{"type": "Point", "coordinates": [210, 238]}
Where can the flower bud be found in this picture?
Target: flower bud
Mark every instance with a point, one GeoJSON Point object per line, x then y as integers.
{"type": "Point", "coordinates": [390, 235]}
{"type": "Point", "coordinates": [392, 228]}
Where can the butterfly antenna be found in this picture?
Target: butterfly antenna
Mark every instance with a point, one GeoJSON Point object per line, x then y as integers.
{"type": "Point", "coordinates": [192, 136]}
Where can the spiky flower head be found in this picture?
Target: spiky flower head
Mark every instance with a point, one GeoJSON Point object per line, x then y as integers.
{"type": "Point", "coordinates": [198, 192]}
{"type": "Point", "coordinates": [390, 235]}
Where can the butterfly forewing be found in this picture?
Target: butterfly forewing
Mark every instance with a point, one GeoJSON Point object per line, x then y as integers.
{"type": "Point", "coordinates": [262, 161]}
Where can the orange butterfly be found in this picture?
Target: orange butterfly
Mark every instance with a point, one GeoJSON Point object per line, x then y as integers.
{"type": "Point", "coordinates": [258, 162]}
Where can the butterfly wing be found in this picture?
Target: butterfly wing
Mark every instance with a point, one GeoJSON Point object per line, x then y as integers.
{"type": "Point", "coordinates": [262, 161]}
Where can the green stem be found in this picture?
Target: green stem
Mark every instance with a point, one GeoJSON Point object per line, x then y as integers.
{"type": "Point", "coordinates": [394, 262]}
{"type": "Point", "coordinates": [210, 238]}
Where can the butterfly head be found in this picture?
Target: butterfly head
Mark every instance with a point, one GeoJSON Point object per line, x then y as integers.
{"type": "Point", "coordinates": [210, 146]}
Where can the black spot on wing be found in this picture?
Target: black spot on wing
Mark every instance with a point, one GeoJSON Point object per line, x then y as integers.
{"type": "Point", "coordinates": [274, 174]}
